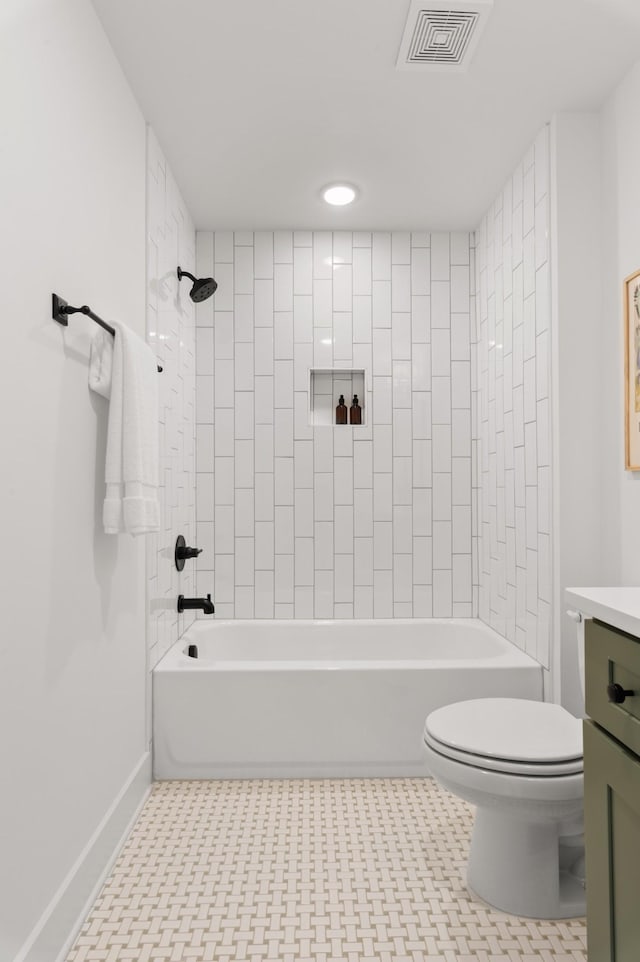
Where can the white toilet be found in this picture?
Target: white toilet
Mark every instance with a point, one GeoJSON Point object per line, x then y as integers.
{"type": "Point", "coordinates": [520, 763]}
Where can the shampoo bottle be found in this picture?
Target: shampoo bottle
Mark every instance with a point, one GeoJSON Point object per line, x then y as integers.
{"type": "Point", "coordinates": [341, 411]}
{"type": "Point", "coordinates": [355, 411]}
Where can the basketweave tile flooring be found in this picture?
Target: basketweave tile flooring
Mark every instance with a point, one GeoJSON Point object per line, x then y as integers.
{"type": "Point", "coordinates": [335, 870]}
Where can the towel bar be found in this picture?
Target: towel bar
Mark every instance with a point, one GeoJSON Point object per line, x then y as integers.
{"type": "Point", "coordinates": [60, 311]}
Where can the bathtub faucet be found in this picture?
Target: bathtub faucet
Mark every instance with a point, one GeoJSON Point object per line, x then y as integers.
{"type": "Point", "coordinates": [205, 603]}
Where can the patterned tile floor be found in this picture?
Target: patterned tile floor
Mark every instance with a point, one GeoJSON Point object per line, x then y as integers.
{"type": "Point", "coordinates": [329, 871]}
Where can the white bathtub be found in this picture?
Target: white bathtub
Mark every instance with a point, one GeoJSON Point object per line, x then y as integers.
{"type": "Point", "coordinates": [321, 698]}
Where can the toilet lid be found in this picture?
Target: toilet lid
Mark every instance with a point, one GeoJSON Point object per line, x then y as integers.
{"type": "Point", "coordinates": [511, 730]}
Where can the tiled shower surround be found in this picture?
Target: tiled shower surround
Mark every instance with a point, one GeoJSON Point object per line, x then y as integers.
{"type": "Point", "coordinates": [310, 521]}
{"type": "Point", "coordinates": [514, 408]}
{"type": "Point", "coordinates": [171, 333]}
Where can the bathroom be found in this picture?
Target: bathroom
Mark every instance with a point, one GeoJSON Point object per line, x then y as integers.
{"type": "Point", "coordinates": [94, 210]}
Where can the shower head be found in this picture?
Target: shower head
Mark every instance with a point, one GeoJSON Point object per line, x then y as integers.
{"type": "Point", "coordinates": [203, 287]}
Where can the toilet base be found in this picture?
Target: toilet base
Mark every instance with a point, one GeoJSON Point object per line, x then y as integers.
{"type": "Point", "coordinates": [525, 868]}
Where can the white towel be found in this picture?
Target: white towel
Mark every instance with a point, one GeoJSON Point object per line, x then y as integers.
{"type": "Point", "coordinates": [101, 363]}
{"type": "Point", "coordinates": [131, 470]}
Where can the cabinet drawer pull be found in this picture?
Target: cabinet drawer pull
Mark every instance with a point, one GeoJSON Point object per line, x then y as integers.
{"type": "Point", "coordinates": [617, 694]}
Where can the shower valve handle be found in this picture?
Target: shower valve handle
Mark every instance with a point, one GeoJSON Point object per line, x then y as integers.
{"type": "Point", "coordinates": [182, 552]}
{"type": "Point", "coordinates": [187, 553]}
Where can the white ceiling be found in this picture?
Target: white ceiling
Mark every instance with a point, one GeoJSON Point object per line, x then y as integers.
{"type": "Point", "coordinates": [259, 103]}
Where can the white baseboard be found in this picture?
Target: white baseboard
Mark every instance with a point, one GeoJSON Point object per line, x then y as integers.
{"type": "Point", "coordinates": [59, 924]}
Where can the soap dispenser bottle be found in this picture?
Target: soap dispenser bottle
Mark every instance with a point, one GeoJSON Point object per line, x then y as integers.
{"type": "Point", "coordinates": [355, 411]}
{"type": "Point", "coordinates": [341, 411]}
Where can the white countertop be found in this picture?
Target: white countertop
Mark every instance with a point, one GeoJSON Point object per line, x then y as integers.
{"type": "Point", "coordinates": [619, 607]}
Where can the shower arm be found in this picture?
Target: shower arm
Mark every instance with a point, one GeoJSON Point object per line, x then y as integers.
{"type": "Point", "coordinates": [182, 274]}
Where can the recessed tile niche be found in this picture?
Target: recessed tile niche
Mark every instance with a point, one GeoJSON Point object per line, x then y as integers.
{"type": "Point", "coordinates": [325, 387]}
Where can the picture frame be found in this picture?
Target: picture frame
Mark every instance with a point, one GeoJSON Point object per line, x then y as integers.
{"type": "Point", "coordinates": [631, 296]}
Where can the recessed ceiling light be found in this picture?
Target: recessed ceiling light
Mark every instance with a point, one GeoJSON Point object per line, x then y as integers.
{"type": "Point", "coordinates": [339, 194]}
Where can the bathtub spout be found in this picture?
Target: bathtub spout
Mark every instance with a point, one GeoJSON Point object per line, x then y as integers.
{"type": "Point", "coordinates": [205, 604]}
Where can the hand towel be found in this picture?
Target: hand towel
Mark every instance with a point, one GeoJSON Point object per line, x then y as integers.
{"type": "Point", "coordinates": [101, 363]}
{"type": "Point", "coordinates": [131, 469]}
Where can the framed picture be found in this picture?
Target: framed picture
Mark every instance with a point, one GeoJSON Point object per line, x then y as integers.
{"type": "Point", "coordinates": [632, 371]}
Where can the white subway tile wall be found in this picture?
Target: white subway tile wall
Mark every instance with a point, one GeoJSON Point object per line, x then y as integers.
{"type": "Point", "coordinates": [171, 332]}
{"type": "Point", "coordinates": [302, 520]}
{"type": "Point", "coordinates": [512, 473]}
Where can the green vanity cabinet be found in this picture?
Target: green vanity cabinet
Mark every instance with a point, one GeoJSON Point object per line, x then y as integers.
{"type": "Point", "coordinates": [612, 795]}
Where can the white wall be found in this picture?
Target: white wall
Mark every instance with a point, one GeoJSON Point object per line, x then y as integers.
{"type": "Point", "coordinates": [513, 408]}
{"type": "Point", "coordinates": [171, 331]}
{"type": "Point", "coordinates": [72, 653]}
{"type": "Point", "coordinates": [304, 521]}
{"type": "Point", "coordinates": [620, 516]}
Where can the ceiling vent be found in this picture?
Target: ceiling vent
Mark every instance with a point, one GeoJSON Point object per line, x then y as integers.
{"type": "Point", "coordinates": [442, 34]}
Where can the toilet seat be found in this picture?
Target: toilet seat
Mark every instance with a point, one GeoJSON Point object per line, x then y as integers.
{"type": "Point", "coordinates": [506, 766]}
{"type": "Point", "coordinates": [508, 735]}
